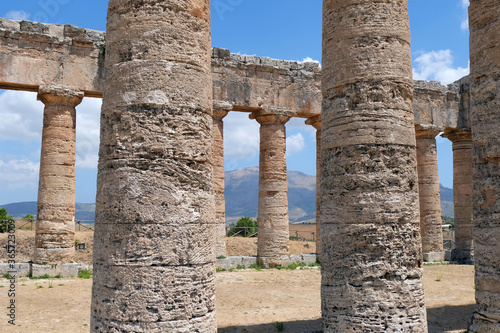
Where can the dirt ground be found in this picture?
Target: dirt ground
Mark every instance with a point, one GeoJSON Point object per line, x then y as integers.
{"type": "Point", "coordinates": [247, 300]}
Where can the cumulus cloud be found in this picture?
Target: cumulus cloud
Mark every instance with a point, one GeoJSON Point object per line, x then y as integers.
{"type": "Point", "coordinates": [17, 15]}
{"type": "Point", "coordinates": [87, 132]}
{"type": "Point", "coordinates": [294, 144]}
{"type": "Point", "coordinates": [241, 137]}
{"type": "Point", "coordinates": [16, 174]}
{"type": "Point", "coordinates": [438, 65]}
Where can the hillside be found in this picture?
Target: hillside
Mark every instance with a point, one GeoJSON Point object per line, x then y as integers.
{"type": "Point", "coordinates": [242, 192]}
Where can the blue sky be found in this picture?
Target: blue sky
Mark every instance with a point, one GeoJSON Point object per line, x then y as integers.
{"type": "Point", "coordinates": [283, 29]}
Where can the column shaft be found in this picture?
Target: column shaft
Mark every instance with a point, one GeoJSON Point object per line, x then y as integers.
{"type": "Point", "coordinates": [274, 234]}
{"type": "Point", "coordinates": [218, 165]}
{"type": "Point", "coordinates": [154, 242]}
{"type": "Point", "coordinates": [55, 223]}
{"type": "Point", "coordinates": [484, 20]}
{"type": "Point", "coordinates": [371, 262]}
{"type": "Point", "coordinates": [316, 123]}
{"type": "Point", "coordinates": [462, 196]}
{"type": "Point", "coordinates": [429, 195]}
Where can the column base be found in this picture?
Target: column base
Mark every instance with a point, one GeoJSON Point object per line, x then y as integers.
{"type": "Point", "coordinates": [433, 256]}
{"type": "Point", "coordinates": [481, 324]}
{"type": "Point", "coordinates": [464, 257]}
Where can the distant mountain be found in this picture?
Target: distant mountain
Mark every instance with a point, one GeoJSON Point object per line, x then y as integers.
{"type": "Point", "coordinates": [84, 212]}
{"type": "Point", "coordinates": [242, 194]}
{"type": "Point", "coordinates": [447, 207]}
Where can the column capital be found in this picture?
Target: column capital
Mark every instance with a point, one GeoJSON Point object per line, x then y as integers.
{"type": "Point", "coordinates": [221, 109]}
{"type": "Point", "coordinates": [271, 115]}
{"type": "Point", "coordinates": [314, 122]}
{"type": "Point", "coordinates": [52, 95]}
{"type": "Point", "coordinates": [427, 131]}
{"type": "Point", "coordinates": [457, 135]}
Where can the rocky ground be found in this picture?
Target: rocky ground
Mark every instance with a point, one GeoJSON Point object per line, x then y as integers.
{"type": "Point", "coordinates": [247, 300]}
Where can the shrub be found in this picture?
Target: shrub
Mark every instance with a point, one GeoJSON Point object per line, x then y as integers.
{"type": "Point", "coordinates": [245, 227]}
{"type": "Point", "coordinates": [85, 274]}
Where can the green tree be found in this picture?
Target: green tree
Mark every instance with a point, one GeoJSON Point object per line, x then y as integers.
{"type": "Point", "coordinates": [245, 227]}
{"type": "Point", "coordinates": [4, 220]}
{"type": "Point", "coordinates": [28, 217]}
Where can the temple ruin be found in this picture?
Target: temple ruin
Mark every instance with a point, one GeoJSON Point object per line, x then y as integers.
{"type": "Point", "coordinates": [162, 119]}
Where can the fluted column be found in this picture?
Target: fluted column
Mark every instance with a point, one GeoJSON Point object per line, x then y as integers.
{"type": "Point", "coordinates": [463, 252]}
{"type": "Point", "coordinates": [55, 220]}
{"type": "Point", "coordinates": [431, 225]}
{"type": "Point", "coordinates": [316, 123]}
{"type": "Point", "coordinates": [274, 234]}
{"type": "Point", "coordinates": [154, 241]}
{"type": "Point", "coordinates": [484, 21]}
{"type": "Point", "coordinates": [220, 111]}
{"type": "Point", "coordinates": [371, 261]}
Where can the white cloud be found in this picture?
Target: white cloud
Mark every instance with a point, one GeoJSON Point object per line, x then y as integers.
{"type": "Point", "coordinates": [17, 15]}
{"type": "Point", "coordinates": [241, 137]}
{"type": "Point", "coordinates": [294, 144]}
{"type": "Point", "coordinates": [21, 116]}
{"type": "Point", "coordinates": [87, 132]}
{"type": "Point", "coordinates": [16, 174]}
{"type": "Point", "coordinates": [438, 65]}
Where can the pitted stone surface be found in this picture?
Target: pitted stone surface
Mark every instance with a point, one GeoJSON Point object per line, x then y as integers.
{"type": "Point", "coordinates": [55, 225]}
{"type": "Point", "coordinates": [462, 195]}
{"type": "Point", "coordinates": [371, 252]}
{"type": "Point", "coordinates": [154, 250]}
{"type": "Point", "coordinates": [431, 229]}
{"type": "Point", "coordinates": [316, 123]}
{"type": "Point", "coordinates": [220, 111]}
{"type": "Point", "coordinates": [484, 18]}
{"type": "Point", "coordinates": [273, 237]}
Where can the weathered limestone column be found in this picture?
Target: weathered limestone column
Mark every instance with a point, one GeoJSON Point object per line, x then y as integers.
{"type": "Point", "coordinates": [484, 20]}
{"type": "Point", "coordinates": [220, 111]}
{"type": "Point", "coordinates": [431, 225]}
{"type": "Point", "coordinates": [55, 220]}
{"type": "Point", "coordinates": [154, 243]}
{"type": "Point", "coordinates": [274, 234]}
{"type": "Point", "coordinates": [463, 252]}
{"type": "Point", "coordinates": [316, 123]}
{"type": "Point", "coordinates": [370, 234]}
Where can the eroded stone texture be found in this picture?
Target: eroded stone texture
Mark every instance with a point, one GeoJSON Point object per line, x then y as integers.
{"type": "Point", "coordinates": [220, 111]}
{"type": "Point", "coordinates": [273, 237]}
{"type": "Point", "coordinates": [370, 234]}
{"type": "Point", "coordinates": [462, 195]}
{"type": "Point", "coordinates": [154, 248]}
{"type": "Point", "coordinates": [431, 229]}
{"type": "Point", "coordinates": [55, 224]}
{"type": "Point", "coordinates": [316, 123]}
{"type": "Point", "coordinates": [484, 19]}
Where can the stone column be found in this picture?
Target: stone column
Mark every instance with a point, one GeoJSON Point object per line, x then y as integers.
{"type": "Point", "coordinates": [274, 234]}
{"type": "Point", "coordinates": [316, 123]}
{"type": "Point", "coordinates": [370, 233]}
{"type": "Point", "coordinates": [463, 252]}
{"type": "Point", "coordinates": [154, 242]}
{"type": "Point", "coordinates": [484, 20]}
{"type": "Point", "coordinates": [55, 220]}
{"type": "Point", "coordinates": [431, 228]}
{"type": "Point", "coordinates": [220, 111]}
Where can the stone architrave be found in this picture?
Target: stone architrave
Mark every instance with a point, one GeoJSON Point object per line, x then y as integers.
{"type": "Point", "coordinates": [316, 123]}
{"type": "Point", "coordinates": [220, 111]}
{"type": "Point", "coordinates": [484, 20]}
{"type": "Point", "coordinates": [154, 243]}
{"type": "Point", "coordinates": [274, 233]}
{"type": "Point", "coordinates": [431, 229]}
{"type": "Point", "coordinates": [55, 220]}
{"type": "Point", "coordinates": [463, 252]}
{"type": "Point", "coordinates": [371, 262]}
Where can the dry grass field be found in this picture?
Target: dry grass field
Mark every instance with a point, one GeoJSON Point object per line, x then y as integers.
{"type": "Point", "coordinates": [247, 300]}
